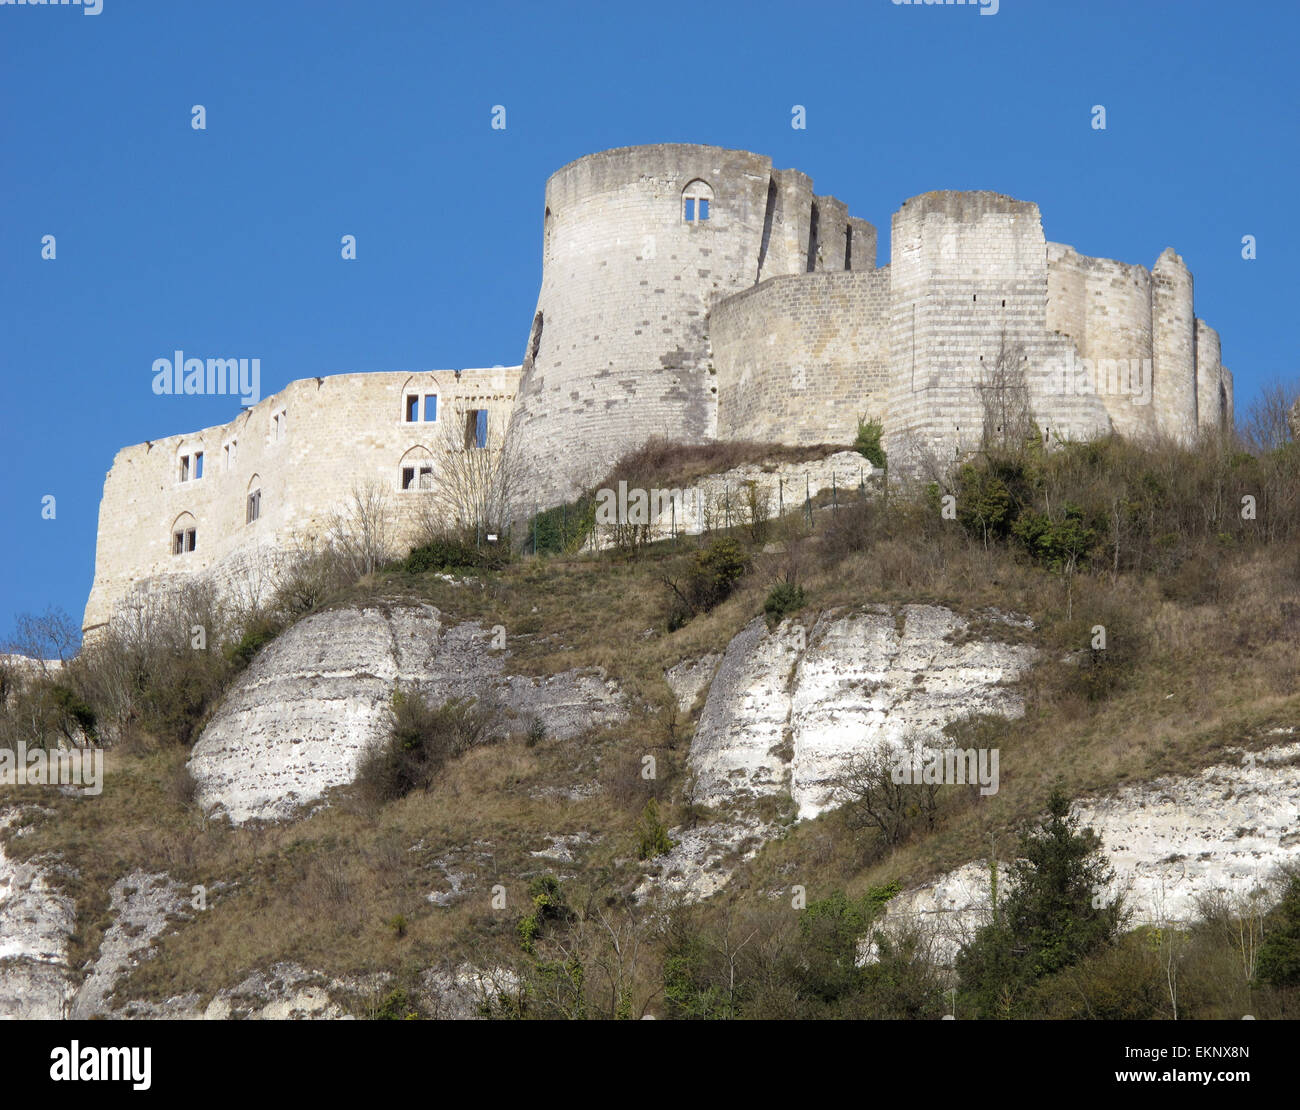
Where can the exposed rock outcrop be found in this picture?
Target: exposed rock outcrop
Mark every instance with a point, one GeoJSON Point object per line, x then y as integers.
{"type": "Point", "coordinates": [1171, 841]}
{"type": "Point", "coordinates": [319, 696]}
{"type": "Point", "coordinates": [788, 710]}
{"type": "Point", "coordinates": [36, 921]}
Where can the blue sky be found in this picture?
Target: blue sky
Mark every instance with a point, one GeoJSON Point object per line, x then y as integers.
{"type": "Point", "coordinates": [373, 119]}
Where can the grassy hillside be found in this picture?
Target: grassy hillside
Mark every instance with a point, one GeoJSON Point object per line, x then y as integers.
{"type": "Point", "coordinates": [1200, 603]}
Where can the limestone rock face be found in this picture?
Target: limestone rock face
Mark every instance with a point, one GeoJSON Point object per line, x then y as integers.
{"type": "Point", "coordinates": [35, 924]}
{"type": "Point", "coordinates": [1294, 420]}
{"type": "Point", "coordinates": [788, 710]}
{"type": "Point", "coordinates": [142, 905]}
{"type": "Point", "coordinates": [1171, 841]}
{"type": "Point", "coordinates": [319, 696]}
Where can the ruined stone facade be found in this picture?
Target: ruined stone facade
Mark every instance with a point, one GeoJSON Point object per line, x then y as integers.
{"type": "Point", "coordinates": [273, 477]}
{"type": "Point", "coordinates": [699, 293]}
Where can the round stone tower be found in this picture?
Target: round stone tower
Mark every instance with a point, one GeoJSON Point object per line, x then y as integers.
{"type": "Point", "coordinates": [639, 244]}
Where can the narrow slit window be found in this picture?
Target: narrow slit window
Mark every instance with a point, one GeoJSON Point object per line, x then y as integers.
{"type": "Point", "coordinates": [198, 464]}
{"type": "Point", "coordinates": [185, 468]}
{"type": "Point", "coordinates": [254, 506]}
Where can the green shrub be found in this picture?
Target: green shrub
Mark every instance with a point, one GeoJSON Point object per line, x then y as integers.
{"type": "Point", "coordinates": [652, 833]}
{"type": "Point", "coordinates": [454, 553]}
{"type": "Point", "coordinates": [75, 714]}
{"type": "Point", "coordinates": [783, 599]}
{"type": "Point", "coordinates": [867, 444]}
{"type": "Point", "coordinates": [256, 636]}
{"type": "Point", "coordinates": [712, 574]}
{"type": "Point", "coordinates": [422, 739]}
{"type": "Point", "coordinates": [547, 905]}
{"type": "Point", "coordinates": [1051, 917]}
{"type": "Point", "coordinates": [1279, 956]}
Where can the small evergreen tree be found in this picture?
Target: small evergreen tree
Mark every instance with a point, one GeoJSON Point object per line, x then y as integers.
{"type": "Point", "coordinates": [1052, 916]}
{"type": "Point", "coordinates": [1279, 956]}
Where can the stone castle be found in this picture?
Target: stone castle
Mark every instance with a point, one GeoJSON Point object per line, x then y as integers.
{"type": "Point", "coordinates": [697, 293]}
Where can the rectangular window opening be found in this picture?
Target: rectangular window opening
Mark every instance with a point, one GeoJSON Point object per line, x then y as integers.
{"type": "Point", "coordinates": [430, 407]}
{"type": "Point", "coordinates": [412, 408]}
{"type": "Point", "coordinates": [198, 464]}
{"type": "Point", "coordinates": [476, 428]}
{"type": "Point", "coordinates": [254, 506]}
{"type": "Point", "coordinates": [408, 477]}
{"type": "Point", "coordinates": [185, 468]}
{"type": "Point", "coordinates": [690, 209]}
{"type": "Point", "coordinates": [704, 208]}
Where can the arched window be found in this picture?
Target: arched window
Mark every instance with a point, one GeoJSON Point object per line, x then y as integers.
{"type": "Point", "coordinates": [253, 502]}
{"type": "Point", "coordinates": [185, 534]}
{"type": "Point", "coordinates": [697, 202]}
{"type": "Point", "coordinates": [416, 469]}
{"type": "Point", "coordinates": [420, 400]}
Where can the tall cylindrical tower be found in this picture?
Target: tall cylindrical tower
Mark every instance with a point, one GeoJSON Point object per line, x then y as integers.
{"type": "Point", "coordinates": [639, 243]}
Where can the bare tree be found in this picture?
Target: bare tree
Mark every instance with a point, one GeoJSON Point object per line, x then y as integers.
{"type": "Point", "coordinates": [478, 474]}
{"type": "Point", "coordinates": [361, 532]}
{"type": "Point", "coordinates": [49, 638]}
{"type": "Point", "coordinates": [1268, 423]}
{"type": "Point", "coordinates": [874, 799]}
{"type": "Point", "coordinates": [1004, 399]}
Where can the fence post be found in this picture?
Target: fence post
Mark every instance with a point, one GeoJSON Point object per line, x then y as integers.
{"type": "Point", "coordinates": [726, 493]}
{"type": "Point", "coordinates": [835, 495]}
{"type": "Point", "coordinates": [534, 528]}
{"type": "Point", "coordinates": [780, 496]}
{"type": "Point", "coordinates": [807, 498]}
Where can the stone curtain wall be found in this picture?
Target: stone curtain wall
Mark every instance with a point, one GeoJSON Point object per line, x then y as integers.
{"type": "Point", "coordinates": [339, 432]}
{"type": "Point", "coordinates": [800, 358]}
{"type": "Point", "coordinates": [619, 349]}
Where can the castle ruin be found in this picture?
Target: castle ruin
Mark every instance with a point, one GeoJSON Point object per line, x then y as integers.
{"type": "Point", "coordinates": [697, 293]}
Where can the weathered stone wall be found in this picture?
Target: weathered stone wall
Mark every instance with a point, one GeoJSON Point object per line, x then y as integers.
{"type": "Point", "coordinates": [1104, 307]}
{"type": "Point", "coordinates": [1173, 343]}
{"type": "Point", "coordinates": [334, 434]}
{"type": "Point", "coordinates": [800, 357]}
{"type": "Point", "coordinates": [1212, 410]}
{"type": "Point", "coordinates": [968, 274]}
{"type": "Point", "coordinates": [619, 349]}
